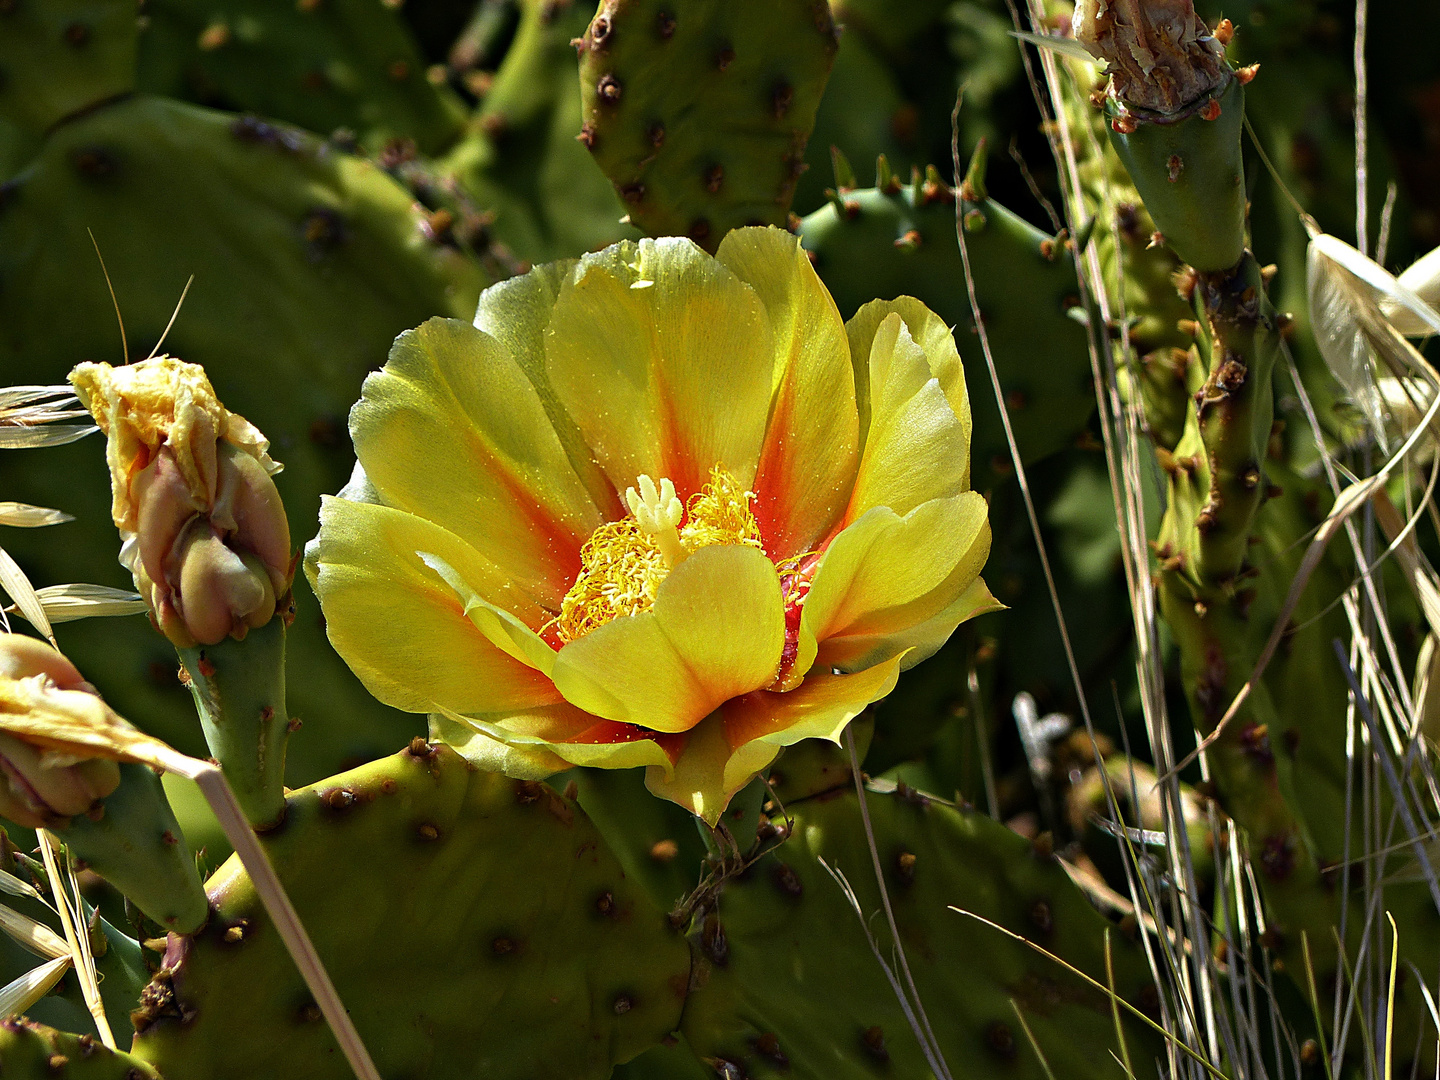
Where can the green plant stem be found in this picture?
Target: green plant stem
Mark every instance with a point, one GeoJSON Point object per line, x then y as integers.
{"type": "Point", "coordinates": [239, 691]}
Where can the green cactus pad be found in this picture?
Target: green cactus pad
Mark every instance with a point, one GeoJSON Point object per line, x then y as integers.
{"type": "Point", "coordinates": [307, 263]}
{"type": "Point", "coordinates": [789, 986]}
{"type": "Point", "coordinates": [520, 160]}
{"type": "Point", "coordinates": [1190, 174]}
{"type": "Point", "coordinates": [699, 113]}
{"type": "Point", "coordinates": [59, 57]}
{"type": "Point", "coordinates": [30, 1051]}
{"type": "Point", "coordinates": [475, 926]}
{"type": "Point", "coordinates": [322, 65]}
{"type": "Point", "coordinates": [239, 691]}
{"type": "Point", "coordinates": [138, 847]}
{"type": "Point", "coordinates": [900, 240]}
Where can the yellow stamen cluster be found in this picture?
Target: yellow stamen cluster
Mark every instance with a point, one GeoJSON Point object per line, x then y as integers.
{"type": "Point", "coordinates": [624, 562]}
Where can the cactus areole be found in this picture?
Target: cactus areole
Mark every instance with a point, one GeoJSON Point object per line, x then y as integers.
{"type": "Point", "coordinates": [655, 508]}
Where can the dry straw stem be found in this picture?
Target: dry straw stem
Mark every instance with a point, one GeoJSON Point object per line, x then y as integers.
{"type": "Point", "coordinates": [105, 734]}
{"type": "Point", "coordinates": [77, 936]}
{"type": "Point", "coordinates": [226, 807]}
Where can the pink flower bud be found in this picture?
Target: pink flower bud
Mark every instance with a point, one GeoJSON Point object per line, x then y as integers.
{"type": "Point", "coordinates": [205, 534]}
{"type": "Point", "coordinates": [40, 786]}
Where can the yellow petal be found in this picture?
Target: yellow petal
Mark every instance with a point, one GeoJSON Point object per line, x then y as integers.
{"type": "Point", "coordinates": [916, 447]}
{"type": "Point", "coordinates": [727, 749]}
{"type": "Point", "coordinates": [663, 358]}
{"type": "Point", "coordinates": [452, 430]}
{"type": "Point", "coordinates": [811, 449]}
{"type": "Point", "coordinates": [516, 313]}
{"type": "Point", "coordinates": [501, 629]}
{"type": "Point", "coordinates": [932, 334]}
{"type": "Point", "coordinates": [400, 626]}
{"type": "Point", "coordinates": [493, 755]}
{"type": "Point", "coordinates": [716, 631]}
{"type": "Point", "coordinates": [818, 709]}
{"type": "Point", "coordinates": [539, 738]}
{"type": "Point", "coordinates": [697, 779]}
{"type": "Point", "coordinates": [907, 631]}
{"type": "Point", "coordinates": [887, 574]}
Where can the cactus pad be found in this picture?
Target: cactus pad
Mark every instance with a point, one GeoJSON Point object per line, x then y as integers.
{"type": "Point", "coordinates": [60, 57]}
{"type": "Point", "coordinates": [340, 63]}
{"type": "Point", "coordinates": [895, 240]}
{"type": "Point", "coordinates": [699, 113]}
{"type": "Point", "coordinates": [307, 263]}
{"type": "Point", "coordinates": [30, 1051]}
{"type": "Point", "coordinates": [788, 984]}
{"type": "Point", "coordinates": [475, 926]}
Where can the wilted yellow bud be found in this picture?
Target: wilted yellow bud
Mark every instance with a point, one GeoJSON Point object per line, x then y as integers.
{"type": "Point", "coordinates": [42, 783]}
{"type": "Point", "coordinates": [205, 533]}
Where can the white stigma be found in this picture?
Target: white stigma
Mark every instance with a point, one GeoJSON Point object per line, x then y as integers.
{"type": "Point", "coordinates": [658, 512]}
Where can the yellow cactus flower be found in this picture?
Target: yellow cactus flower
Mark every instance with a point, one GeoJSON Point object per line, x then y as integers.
{"type": "Point", "coordinates": [205, 533]}
{"type": "Point", "coordinates": [655, 508]}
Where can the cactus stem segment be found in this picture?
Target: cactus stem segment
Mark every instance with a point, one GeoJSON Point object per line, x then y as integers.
{"type": "Point", "coordinates": [239, 692]}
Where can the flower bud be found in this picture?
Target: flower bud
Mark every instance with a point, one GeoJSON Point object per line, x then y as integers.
{"type": "Point", "coordinates": [42, 786]}
{"type": "Point", "coordinates": [1160, 56]}
{"type": "Point", "coordinates": [205, 533]}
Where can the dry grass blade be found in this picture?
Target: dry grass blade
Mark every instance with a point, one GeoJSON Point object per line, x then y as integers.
{"type": "Point", "coordinates": [1117, 1000]}
{"type": "Point", "coordinates": [1030, 1037]}
{"type": "Point", "coordinates": [35, 936]}
{"type": "Point", "coordinates": [15, 886]}
{"type": "Point", "coordinates": [1418, 575]}
{"type": "Point", "coordinates": [27, 437]}
{"type": "Point", "coordinates": [66, 603]}
{"type": "Point", "coordinates": [24, 516]}
{"type": "Point", "coordinates": [1315, 1004]}
{"type": "Point", "coordinates": [1062, 45]}
{"type": "Point", "coordinates": [1345, 292]}
{"type": "Point", "coordinates": [1390, 996]}
{"type": "Point", "coordinates": [77, 935]}
{"type": "Point", "coordinates": [17, 585]}
{"type": "Point", "coordinates": [1115, 1008]}
{"type": "Point", "coordinates": [928, 1040]}
{"type": "Point", "coordinates": [21, 993]}
{"type": "Point", "coordinates": [14, 397]}
{"type": "Point", "coordinates": [937, 1066]}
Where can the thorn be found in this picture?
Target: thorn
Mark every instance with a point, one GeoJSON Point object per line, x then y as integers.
{"type": "Point", "coordinates": [885, 179]}
{"type": "Point", "coordinates": [1245, 75]}
{"type": "Point", "coordinates": [844, 174]}
{"type": "Point", "coordinates": [1224, 31]}
{"type": "Point", "coordinates": [1211, 111]}
{"type": "Point", "coordinates": [910, 241]}
{"type": "Point", "coordinates": [972, 188]}
{"type": "Point", "coordinates": [935, 189]}
{"type": "Point", "coordinates": [1123, 124]}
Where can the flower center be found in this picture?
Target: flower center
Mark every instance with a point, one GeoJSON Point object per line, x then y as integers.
{"type": "Point", "coordinates": [624, 562]}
